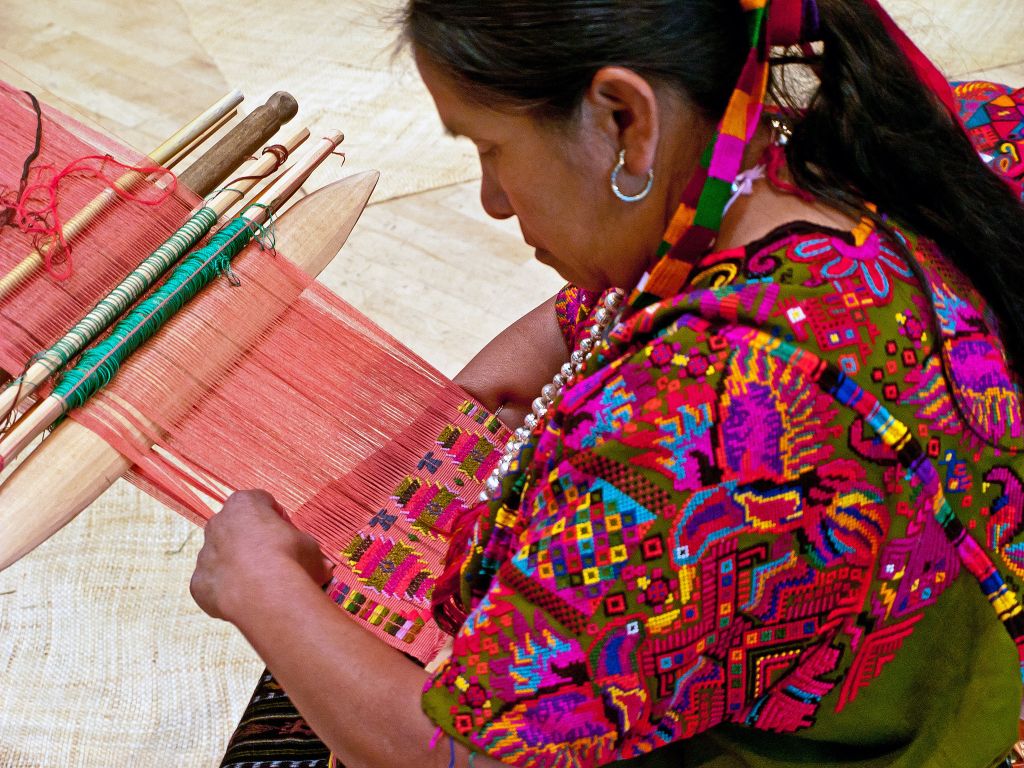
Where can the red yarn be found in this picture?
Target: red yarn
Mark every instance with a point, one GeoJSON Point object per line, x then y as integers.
{"type": "Point", "coordinates": [776, 159]}
{"type": "Point", "coordinates": [36, 212]}
{"type": "Point", "coordinates": [39, 310]}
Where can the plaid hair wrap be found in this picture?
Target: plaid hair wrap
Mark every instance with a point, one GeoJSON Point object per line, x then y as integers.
{"type": "Point", "coordinates": [695, 224]}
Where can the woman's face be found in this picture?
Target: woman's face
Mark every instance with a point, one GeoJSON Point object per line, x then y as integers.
{"type": "Point", "coordinates": [555, 180]}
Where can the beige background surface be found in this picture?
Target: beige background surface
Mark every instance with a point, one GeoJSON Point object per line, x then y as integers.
{"type": "Point", "coordinates": [104, 659]}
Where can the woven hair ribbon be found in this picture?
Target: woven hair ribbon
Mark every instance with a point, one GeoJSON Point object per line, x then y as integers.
{"type": "Point", "coordinates": [792, 22]}
{"type": "Point", "coordinates": [695, 225]}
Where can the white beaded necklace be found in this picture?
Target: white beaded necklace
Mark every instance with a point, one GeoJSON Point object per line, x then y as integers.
{"type": "Point", "coordinates": [603, 318]}
{"type": "Point", "coordinates": [565, 377]}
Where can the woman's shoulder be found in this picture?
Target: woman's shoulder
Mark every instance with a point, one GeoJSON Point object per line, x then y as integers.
{"type": "Point", "coordinates": [841, 293]}
{"type": "Point", "coordinates": [881, 307]}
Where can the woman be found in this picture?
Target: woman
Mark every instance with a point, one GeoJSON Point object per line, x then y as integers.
{"type": "Point", "coordinates": [745, 530]}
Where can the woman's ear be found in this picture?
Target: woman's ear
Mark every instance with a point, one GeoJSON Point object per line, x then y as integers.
{"type": "Point", "coordinates": [624, 107]}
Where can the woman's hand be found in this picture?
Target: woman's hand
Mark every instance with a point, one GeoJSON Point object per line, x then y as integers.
{"type": "Point", "coordinates": [264, 575]}
{"type": "Point", "coordinates": [249, 549]}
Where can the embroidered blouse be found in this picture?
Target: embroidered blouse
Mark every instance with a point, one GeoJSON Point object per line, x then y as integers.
{"type": "Point", "coordinates": [716, 556]}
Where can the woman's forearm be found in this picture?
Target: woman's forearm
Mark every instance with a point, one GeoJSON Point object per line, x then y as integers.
{"type": "Point", "coordinates": [360, 696]}
{"type": "Point", "coordinates": [509, 372]}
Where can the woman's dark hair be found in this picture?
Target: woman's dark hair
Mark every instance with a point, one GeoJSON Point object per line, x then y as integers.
{"type": "Point", "coordinates": [870, 132]}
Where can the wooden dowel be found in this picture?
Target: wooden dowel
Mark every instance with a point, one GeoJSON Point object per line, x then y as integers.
{"type": "Point", "coordinates": [195, 128]}
{"type": "Point", "coordinates": [267, 188]}
{"type": "Point", "coordinates": [42, 416]}
{"type": "Point", "coordinates": [77, 223]}
{"type": "Point", "coordinates": [226, 198]}
{"type": "Point", "coordinates": [48, 362]}
{"type": "Point", "coordinates": [239, 143]}
{"type": "Point", "coordinates": [38, 419]}
{"type": "Point", "coordinates": [74, 466]}
{"type": "Point", "coordinates": [200, 140]}
{"type": "Point", "coordinates": [294, 178]}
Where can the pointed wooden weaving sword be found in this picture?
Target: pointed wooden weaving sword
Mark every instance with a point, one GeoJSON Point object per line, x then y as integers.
{"type": "Point", "coordinates": [73, 466]}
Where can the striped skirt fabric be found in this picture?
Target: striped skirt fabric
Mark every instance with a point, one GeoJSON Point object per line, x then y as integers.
{"type": "Point", "coordinates": [273, 733]}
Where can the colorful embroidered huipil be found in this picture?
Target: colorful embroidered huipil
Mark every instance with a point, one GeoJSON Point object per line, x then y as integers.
{"type": "Point", "coordinates": [737, 535]}
{"type": "Point", "coordinates": [993, 116]}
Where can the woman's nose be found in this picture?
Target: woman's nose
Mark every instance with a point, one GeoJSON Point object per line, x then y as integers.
{"type": "Point", "coordinates": [493, 197]}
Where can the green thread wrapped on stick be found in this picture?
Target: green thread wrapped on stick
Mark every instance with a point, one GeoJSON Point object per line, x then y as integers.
{"type": "Point", "coordinates": [129, 290]}
{"type": "Point", "coordinates": [101, 363]}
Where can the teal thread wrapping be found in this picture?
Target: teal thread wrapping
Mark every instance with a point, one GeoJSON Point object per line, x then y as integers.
{"type": "Point", "coordinates": [128, 291]}
{"type": "Point", "coordinates": [101, 363]}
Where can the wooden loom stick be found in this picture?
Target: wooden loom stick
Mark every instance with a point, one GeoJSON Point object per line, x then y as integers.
{"type": "Point", "coordinates": [48, 362]}
{"type": "Point", "coordinates": [73, 466]}
{"type": "Point", "coordinates": [199, 140]}
{"type": "Point", "coordinates": [173, 146]}
{"type": "Point", "coordinates": [185, 136]}
{"type": "Point", "coordinates": [46, 412]}
{"type": "Point", "coordinates": [239, 143]}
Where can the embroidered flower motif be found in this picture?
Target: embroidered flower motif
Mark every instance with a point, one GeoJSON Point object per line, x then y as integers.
{"type": "Point", "coordinates": [697, 366]}
{"type": "Point", "coordinates": [875, 261]}
{"type": "Point", "coordinates": [910, 326]}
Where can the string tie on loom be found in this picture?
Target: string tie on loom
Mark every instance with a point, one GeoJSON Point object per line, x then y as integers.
{"type": "Point", "coordinates": [280, 154]}
{"type": "Point", "coordinates": [7, 214]}
{"type": "Point", "coordinates": [35, 209]}
{"type": "Point", "coordinates": [744, 184]}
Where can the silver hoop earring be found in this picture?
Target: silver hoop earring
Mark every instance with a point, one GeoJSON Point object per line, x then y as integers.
{"type": "Point", "coordinates": [615, 182]}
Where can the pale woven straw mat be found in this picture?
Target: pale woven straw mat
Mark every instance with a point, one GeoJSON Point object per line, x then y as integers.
{"type": "Point", "coordinates": [339, 60]}
{"type": "Point", "coordinates": [104, 658]}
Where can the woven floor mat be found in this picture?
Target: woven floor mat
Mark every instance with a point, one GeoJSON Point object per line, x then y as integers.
{"type": "Point", "coordinates": [105, 660]}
